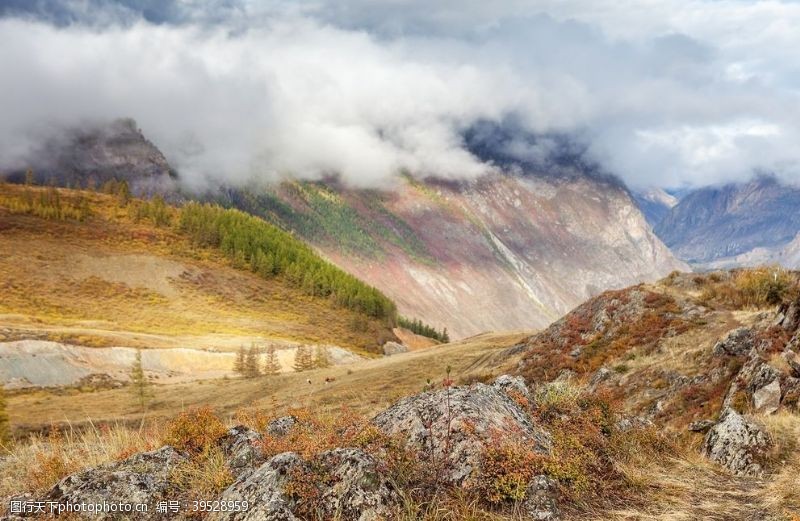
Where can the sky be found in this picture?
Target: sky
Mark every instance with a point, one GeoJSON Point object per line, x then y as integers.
{"type": "Point", "coordinates": [665, 93]}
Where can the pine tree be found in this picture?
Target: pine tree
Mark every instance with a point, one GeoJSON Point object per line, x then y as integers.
{"type": "Point", "coordinates": [123, 193]}
{"type": "Point", "coordinates": [251, 369]}
{"type": "Point", "coordinates": [238, 364]}
{"type": "Point", "coordinates": [321, 359]}
{"type": "Point", "coordinates": [4, 427]}
{"type": "Point", "coordinates": [445, 336]}
{"type": "Point", "coordinates": [303, 358]}
{"type": "Point", "coordinates": [272, 366]}
{"type": "Point", "coordinates": [29, 180]}
{"type": "Point", "coordinates": [139, 382]}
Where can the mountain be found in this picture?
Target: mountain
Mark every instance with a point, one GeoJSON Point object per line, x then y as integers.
{"type": "Point", "coordinates": [503, 252]}
{"type": "Point", "coordinates": [735, 224]}
{"type": "Point", "coordinates": [92, 155]}
{"type": "Point", "coordinates": [510, 250]}
{"type": "Point", "coordinates": [655, 204]}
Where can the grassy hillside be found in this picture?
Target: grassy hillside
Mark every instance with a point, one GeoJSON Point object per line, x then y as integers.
{"type": "Point", "coordinates": [98, 269]}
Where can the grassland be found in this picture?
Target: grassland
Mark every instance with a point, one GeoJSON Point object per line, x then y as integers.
{"type": "Point", "coordinates": [108, 280]}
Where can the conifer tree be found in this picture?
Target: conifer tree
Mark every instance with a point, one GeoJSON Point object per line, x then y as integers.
{"type": "Point", "coordinates": [251, 369]}
{"type": "Point", "coordinates": [272, 366]}
{"type": "Point", "coordinates": [238, 364]}
{"type": "Point", "coordinates": [321, 359]}
{"type": "Point", "coordinates": [4, 427]}
{"type": "Point", "coordinates": [303, 358]}
{"type": "Point", "coordinates": [139, 382]}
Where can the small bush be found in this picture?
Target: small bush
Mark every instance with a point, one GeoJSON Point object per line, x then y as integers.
{"type": "Point", "coordinates": [195, 431]}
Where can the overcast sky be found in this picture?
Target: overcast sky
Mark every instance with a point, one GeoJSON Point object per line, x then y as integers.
{"type": "Point", "coordinates": [665, 93]}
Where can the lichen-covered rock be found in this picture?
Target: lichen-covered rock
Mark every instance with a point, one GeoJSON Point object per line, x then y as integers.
{"type": "Point", "coordinates": [263, 491]}
{"type": "Point", "coordinates": [541, 500]}
{"type": "Point", "coordinates": [512, 385]}
{"type": "Point", "coordinates": [701, 426]}
{"type": "Point", "coordinates": [239, 445]}
{"type": "Point", "coordinates": [358, 491]}
{"type": "Point", "coordinates": [140, 479]}
{"type": "Point", "coordinates": [739, 342]}
{"type": "Point", "coordinates": [454, 425]}
{"type": "Point", "coordinates": [767, 399]}
{"type": "Point", "coordinates": [737, 443]}
{"type": "Point", "coordinates": [281, 426]}
{"type": "Point", "coordinates": [353, 490]}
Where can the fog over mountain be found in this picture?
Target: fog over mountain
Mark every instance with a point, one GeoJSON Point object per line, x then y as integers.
{"type": "Point", "coordinates": [667, 95]}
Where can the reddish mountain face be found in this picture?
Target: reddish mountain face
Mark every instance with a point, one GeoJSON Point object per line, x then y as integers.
{"type": "Point", "coordinates": [500, 253]}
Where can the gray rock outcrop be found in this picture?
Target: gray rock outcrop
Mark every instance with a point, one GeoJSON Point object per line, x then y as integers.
{"type": "Point", "coordinates": [452, 426]}
{"type": "Point", "coordinates": [356, 490]}
{"type": "Point", "coordinates": [394, 348]}
{"type": "Point", "coordinates": [738, 444]}
{"type": "Point", "coordinates": [140, 479]}
{"type": "Point", "coordinates": [281, 426]}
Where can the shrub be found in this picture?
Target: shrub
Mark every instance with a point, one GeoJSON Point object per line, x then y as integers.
{"type": "Point", "coordinates": [195, 431]}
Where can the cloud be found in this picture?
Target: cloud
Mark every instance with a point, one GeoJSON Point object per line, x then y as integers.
{"type": "Point", "coordinates": [667, 94]}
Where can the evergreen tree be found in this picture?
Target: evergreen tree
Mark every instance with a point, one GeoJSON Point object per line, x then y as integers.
{"type": "Point", "coordinates": [238, 364]}
{"type": "Point", "coordinates": [445, 336]}
{"type": "Point", "coordinates": [251, 369]}
{"type": "Point", "coordinates": [321, 359]}
{"type": "Point", "coordinates": [272, 366]}
{"type": "Point", "coordinates": [29, 180]}
{"type": "Point", "coordinates": [123, 193]}
{"type": "Point", "coordinates": [303, 358]}
{"type": "Point", "coordinates": [4, 423]}
{"type": "Point", "coordinates": [140, 384]}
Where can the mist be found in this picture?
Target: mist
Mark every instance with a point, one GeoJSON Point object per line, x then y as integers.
{"type": "Point", "coordinates": [672, 94]}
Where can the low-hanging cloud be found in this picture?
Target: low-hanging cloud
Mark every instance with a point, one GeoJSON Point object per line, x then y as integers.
{"type": "Point", "coordinates": [233, 93]}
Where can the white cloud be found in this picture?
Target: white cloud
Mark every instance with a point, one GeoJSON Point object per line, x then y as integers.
{"type": "Point", "coordinates": [666, 93]}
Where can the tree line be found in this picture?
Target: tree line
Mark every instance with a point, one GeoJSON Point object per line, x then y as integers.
{"type": "Point", "coordinates": [269, 251]}
{"type": "Point", "coordinates": [420, 328]}
{"type": "Point", "coordinates": [249, 364]}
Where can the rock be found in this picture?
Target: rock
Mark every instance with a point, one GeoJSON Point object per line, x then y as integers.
{"type": "Point", "coordinates": [140, 479]}
{"type": "Point", "coordinates": [356, 491]}
{"type": "Point", "coordinates": [239, 445]}
{"type": "Point", "coordinates": [789, 314]}
{"type": "Point", "coordinates": [701, 425]}
{"type": "Point", "coordinates": [263, 490]}
{"type": "Point", "coordinates": [739, 342]}
{"type": "Point", "coordinates": [471, 415]}
{"type": "Point", "coordinates": [768, 398]}
{"type": "Point", "coordinates": [791, 393]}
{"type": "Point", "coordinates": [541, 500]}
{"type": "Point", "coordinates": [393, 348]}
{"type": "Point", "coordinates": [280, 427]}
{"type": "Point", "coordinates": [512, 385]}
{"type": "Point", "coordinates": [791, 361]}
{"type": "Point", "coordinates": [633, 422]}
{"type": "Point", "coordinates": [738, 444]}
{"type": "Point", "coordinates": [600, 376]}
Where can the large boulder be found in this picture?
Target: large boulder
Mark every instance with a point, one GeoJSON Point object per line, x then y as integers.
{"type": "Point", "coordinates": [140, 479]}
{"type": "Point", "coordinates": [541, 500]}
{"type": "Point", "coordinates": [737, 443]}
{"type": "Point", "coordinates": [738, 342]}
{"type": "Point", "coordinates": [241, 450]}
{"type": "Point", "coordinates": [453, 425]}
{"type": "Point", "coordinates": [767, 399]}
{"type": "Point", "coordinates": [353, 490]}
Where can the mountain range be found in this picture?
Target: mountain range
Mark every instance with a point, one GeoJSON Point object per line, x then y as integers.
{"type": "Point", "coordinates": [511, 250]}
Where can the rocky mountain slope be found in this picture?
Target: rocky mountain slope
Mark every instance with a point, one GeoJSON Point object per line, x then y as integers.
{"type": "Point", "coordinates": [92, 155]}
{"type": "Point", "coordinates": [498, 253]}
{"type": "Point", "coordinates": [655, 204]}
{"type": "Point", "coordinates": [737, 224]}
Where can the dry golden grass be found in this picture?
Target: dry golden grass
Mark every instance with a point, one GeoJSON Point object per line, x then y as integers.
{"type": "Point", "coordinates": [366, 387]}
{"type": "Point", "coordinates": [108, 280]}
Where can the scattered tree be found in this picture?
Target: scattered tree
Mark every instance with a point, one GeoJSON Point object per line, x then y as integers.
{"type": "Point", "coordinates": [251, 369]}
{"type": "Point", "coordinates": [321, 359]}
{"type": "Point", "coordinates": [139, 382]}
{"type": "Point", "coordinates": [303, 358]}
{"type": "Point", "coordinates": [29, 179]}
{"type": "Point", "coordinates": [272, 366]}
{"type": "Point", "coordinates": [4, 424]}
{"type": "Point", "coordinates": [238, 364]}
